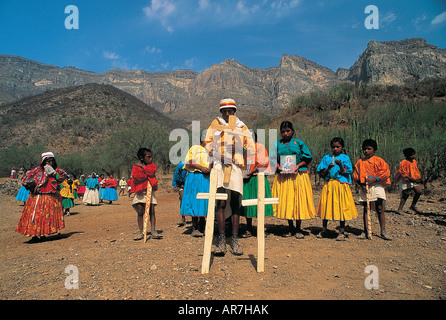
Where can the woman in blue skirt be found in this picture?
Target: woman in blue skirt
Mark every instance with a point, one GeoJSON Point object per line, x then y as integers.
{"type": "Point", "coordinates": [197, 163]}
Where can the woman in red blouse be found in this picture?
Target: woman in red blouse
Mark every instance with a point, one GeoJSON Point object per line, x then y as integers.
{"type": "Point", "coordinates": [43, 213]}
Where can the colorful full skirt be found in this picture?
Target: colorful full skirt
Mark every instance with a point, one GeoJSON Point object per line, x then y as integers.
{"type": "Point", "coordinates": [110, 194]}
{"type": "Point", "coordinates": [81, 190]}
{"type": "Point", "coordinates": [67, 203]}
{"type": "Point", "coordinates": [196, 182]}
{"type": "Point", "coordinates": [336, 202]}
{"type": "Point", "coordinates": [101, 193]}
{"type": "Point", "coordinates": [250, 187]}
{"type": "Point", "coordinates": [23, 194]}
{"type": "Point", "coordinates": [91, 196]}
{"type": "Point", "coordinates": [42, 215]}
{"type": "Point", "coordinates": [295, 196]}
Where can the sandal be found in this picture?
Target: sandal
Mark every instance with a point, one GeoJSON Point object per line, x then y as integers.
{"type": "Point", "coordinates": [321, 235]}
{"type": "Point", "coordinates": [385, 236]}
{"type": "Point", "coordinates": [247, 234]}
{"type": "Point", "coordinates": [236, 248]}
{"type": "Point", "coordinates": [299, 235]}
{"type": "Point", "coordinates": [155, 235]}
{"type": "Point", "coordinates": [196, 233]}
{"type": "Point", "coordinates": [220, 249]}
{"type": "Point", "coordinates": [341, 237]}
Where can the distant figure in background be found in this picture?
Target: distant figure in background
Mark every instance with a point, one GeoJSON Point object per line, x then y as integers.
{"type": "Point", "coordinates": [408, 176]}
{"type": "Point", "coordinates": [76, 184]}
{"type": "Point", "coordinates": [122, 186]}
{"type": "Point", "coordinates": [110, 193]}
{"type": "Point", "coordinates": [101, 187]}
{"type": "Point", "coordinates": [91, 196]}
{"type": "Point", "coordinates": [67, 193]}
{"type": "Point", "coordinates": [43, 214]}
{"type": "Point", "coordinates": [23, 193]}
{"type": "Point", "coordinates": [20, 175]}
{"type": "Point", "coordinates": [129, 186]}
{"type": "Point", "coordinates": [13, 173]}
{"type": "Point", "coordinates": [81, 188]}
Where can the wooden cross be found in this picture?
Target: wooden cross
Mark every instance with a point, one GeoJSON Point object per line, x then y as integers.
{"type": "Point", "coordinates": [368, 216]}
{"type": "Point", "coordinates": [147, 210]}
{"type": "Point", "coordinates": [231, 129]}
{"type": "Point", "coordinates": [212, 196]}
{"type": "Point", "coordinates": [260, 202]}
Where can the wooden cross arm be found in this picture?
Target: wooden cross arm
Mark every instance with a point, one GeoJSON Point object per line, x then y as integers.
{"type": "Point", "coordinates": [218, 196]}
{"type": "Point", "coordinates": [253, 202]}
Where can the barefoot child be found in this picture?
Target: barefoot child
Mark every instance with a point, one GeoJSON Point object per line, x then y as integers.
{"type": "Point", "coordinates": [336, 202]}
{"type": "Point", "coordinates": [143, 172]}
{"type": "Point", "coordinates": [375, 172]}
{"type": "Point", "coordinates": [408, 177]}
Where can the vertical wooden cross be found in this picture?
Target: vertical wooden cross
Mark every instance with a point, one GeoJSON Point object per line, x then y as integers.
{"type": "Point", "coordinates": [368, 216]}
{"type": "Point", "coordinates": [212, 196]}
{"type": "Point", "coordinates": [260, 202]}
{"type": "Point", "coordinates": [147, 210]}
{"type": "Point", "coordinates": [233, 131]}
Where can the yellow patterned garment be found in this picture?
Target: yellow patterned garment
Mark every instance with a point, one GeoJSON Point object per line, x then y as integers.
{"type": "Point", "coordinates": [216, 141]}
{"type": "Point", "coordinates": [196, 155]}
{"type": "Point", "coordinates": [67, 190]}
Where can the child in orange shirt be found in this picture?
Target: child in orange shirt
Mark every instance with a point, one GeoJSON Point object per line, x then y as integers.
{"type": "Point", "coordinates": [375, 172]}
{"type": "Point", "coordinates": [408, 177]}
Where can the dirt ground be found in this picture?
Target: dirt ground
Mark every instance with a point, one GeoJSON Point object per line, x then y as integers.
{"type": "Point", "coordinates": [98, 241]}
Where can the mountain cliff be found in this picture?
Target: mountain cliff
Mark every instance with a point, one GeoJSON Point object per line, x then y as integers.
{"type": "Point", "coordinates": [398, 63]}
{"type": "Point", "coordinates": [187, 95]}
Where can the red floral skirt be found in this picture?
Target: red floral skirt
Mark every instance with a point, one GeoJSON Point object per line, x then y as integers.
{"type": "Point", "coordinates": [42, 215]}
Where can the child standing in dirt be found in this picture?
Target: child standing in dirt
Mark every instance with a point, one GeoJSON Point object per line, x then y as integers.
{"type": "Point", "coordinates": [144, 172]}
{"type": "Point", "coordinates": [336, 202]}
{"type": "Point", "coordinates": [293, 189]}
{"type": "Point", "coordinates": [408, 177]}
{"type": "Point", "coordinates": [375, 172]}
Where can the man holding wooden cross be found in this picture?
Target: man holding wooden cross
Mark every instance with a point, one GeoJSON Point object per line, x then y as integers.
{"type": "Point", "coordinates": [227, 137]}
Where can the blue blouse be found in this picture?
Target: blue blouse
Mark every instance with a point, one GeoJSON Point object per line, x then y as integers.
{"type": "Point", "coordinates": [294, 146]}
{"type": "Point", "coordinates": [179, 176]}
{"type": "Point", "coordinates": [92, 183]}
{"type": "Point", "coordinates": [335, 172]}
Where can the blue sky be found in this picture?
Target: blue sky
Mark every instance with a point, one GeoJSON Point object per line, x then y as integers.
{"type": "Point", "coordinates": [165, 35]}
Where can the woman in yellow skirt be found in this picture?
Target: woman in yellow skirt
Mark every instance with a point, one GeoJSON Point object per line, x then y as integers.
{"type": "Point", "coordinates": [336, 202]}
{"type": "Point", "coordinates": [292, 187]}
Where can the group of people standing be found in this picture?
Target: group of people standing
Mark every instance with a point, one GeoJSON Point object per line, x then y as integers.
{"type": "Point", "coordinates": [291, 185]}
{"type": "Point", "coordinates": [98, 189]}
{"type": "Point", "coordinates": [237, 170]}
{"type": "Point", "coordinates": [48, 193]}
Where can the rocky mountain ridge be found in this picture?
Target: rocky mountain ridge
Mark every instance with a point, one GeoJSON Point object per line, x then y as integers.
{"type": "Point", "coordinates": [189, 95]}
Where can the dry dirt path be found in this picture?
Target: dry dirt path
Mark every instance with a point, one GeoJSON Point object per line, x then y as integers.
{"type": "Point", "coordinates": [98, 241]}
